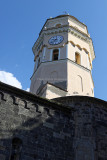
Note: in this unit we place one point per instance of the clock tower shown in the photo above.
(63, 55)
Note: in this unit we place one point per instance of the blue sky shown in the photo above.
(21, 22)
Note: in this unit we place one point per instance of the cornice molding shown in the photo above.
(17, 93)
(54, 30)
(68, 29)
(79, 65)
(66, 59)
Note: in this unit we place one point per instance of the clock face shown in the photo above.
(55, 40)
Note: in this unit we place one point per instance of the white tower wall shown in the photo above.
(63, 59)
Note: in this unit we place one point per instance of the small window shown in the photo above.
(77, 58)
(58, 25)
(55, 54)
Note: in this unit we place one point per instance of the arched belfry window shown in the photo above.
(16, 149)
(77, 58)
(55, 54)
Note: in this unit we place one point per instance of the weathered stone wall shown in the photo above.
(90, 119)
(34, 128)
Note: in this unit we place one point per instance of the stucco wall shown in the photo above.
(54, 92)
(74, 41)
(79, 80)
(45, 71)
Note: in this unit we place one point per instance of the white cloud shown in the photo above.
(9, 78)
(28, 89)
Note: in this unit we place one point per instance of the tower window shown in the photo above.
(55, 54)
(77, 58)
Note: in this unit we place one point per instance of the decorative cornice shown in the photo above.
(61, 16)
(65, 28)
(79, 65)
(58, 62)
(69, 29)
(55, 104)
(18, 94)
(78, 46)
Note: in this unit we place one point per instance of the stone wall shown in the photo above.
(90, 118)
(33, 128)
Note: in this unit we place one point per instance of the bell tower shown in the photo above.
(63, 55)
